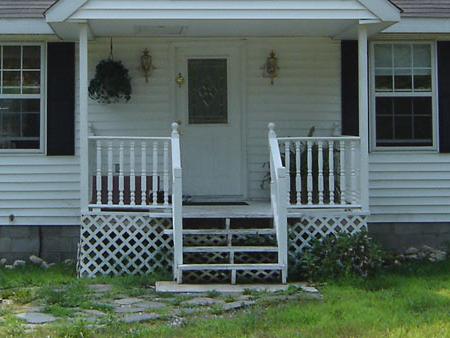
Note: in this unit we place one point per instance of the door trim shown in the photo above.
(239, 52)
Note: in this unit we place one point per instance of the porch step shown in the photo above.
(224, 232)
(226, 249)
(235, 267)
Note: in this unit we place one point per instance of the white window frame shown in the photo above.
(41, 97)
(434, 98)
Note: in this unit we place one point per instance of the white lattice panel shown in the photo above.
(115, 244)
(303, 230)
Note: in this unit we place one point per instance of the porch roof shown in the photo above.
(332, 18)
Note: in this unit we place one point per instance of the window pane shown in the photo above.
(422, 106)
(383, 80)
(383, 56)
(423, 130)
(384, 129)
(30, 125)
(422, 56)
(19, 123)
(422, 79)
(403, 106)
(11, 57)
(402, 56)
(403, 79)
(384, 106)
(207, 91)
(403, 127)
(31, 57)
(10, 125)
(31, 79)
(11, 79)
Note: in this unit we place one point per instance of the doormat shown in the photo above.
(190, 203)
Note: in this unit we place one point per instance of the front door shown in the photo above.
(208, 109)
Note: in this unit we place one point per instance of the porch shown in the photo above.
(138, 212)
(201, 198)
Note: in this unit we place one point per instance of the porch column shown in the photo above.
(83, 97)
(363, 115)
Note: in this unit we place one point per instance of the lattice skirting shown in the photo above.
(303, 230)
(116, 244)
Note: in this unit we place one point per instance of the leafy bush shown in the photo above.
(343, 255)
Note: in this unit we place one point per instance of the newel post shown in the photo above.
(177, 203)
(282, 220)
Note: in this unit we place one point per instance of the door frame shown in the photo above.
(238, 53)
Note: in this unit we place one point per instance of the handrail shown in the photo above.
(320, 138)
(278, 193)
(131, 138)
(177, 203)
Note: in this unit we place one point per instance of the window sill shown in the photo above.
(17, 152)
(403, 150)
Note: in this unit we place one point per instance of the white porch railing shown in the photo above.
(278, 191)
(130, 172)
(139, 173)
(323, 172)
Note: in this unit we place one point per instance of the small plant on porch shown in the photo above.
(304, 171)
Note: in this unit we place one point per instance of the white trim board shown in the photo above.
(25, 26)
(65, 10)
(421, 26)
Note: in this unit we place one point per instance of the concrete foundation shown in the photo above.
(401, 236)
(53, 244)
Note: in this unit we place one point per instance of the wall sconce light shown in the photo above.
(179, 80)
(270, 68)
(147, 64)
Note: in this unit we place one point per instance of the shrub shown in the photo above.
(341, 255)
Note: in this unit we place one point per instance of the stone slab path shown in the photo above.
(149, 305)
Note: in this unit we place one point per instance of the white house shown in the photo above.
(252, 127)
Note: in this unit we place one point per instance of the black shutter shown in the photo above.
(443, 48)
(349, 88)
(60, 99)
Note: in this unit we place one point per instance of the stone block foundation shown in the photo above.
(52, 243)
(401, 236)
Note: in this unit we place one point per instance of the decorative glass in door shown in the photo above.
(208, 91)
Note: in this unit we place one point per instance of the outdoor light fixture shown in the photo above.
(271, 68)
(179, 80)
(147, 64)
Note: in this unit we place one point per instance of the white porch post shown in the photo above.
(84, 132)
(363, 116)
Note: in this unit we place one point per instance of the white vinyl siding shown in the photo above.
(39, 189)
(409, 187)
(306, 94)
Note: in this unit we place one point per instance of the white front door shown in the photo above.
(208, 109)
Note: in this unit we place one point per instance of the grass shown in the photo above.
(413, 301)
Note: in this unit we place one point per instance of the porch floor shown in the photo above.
(251, 210)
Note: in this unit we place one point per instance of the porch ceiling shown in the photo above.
(205, 28)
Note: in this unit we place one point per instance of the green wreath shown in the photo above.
(111, 83)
